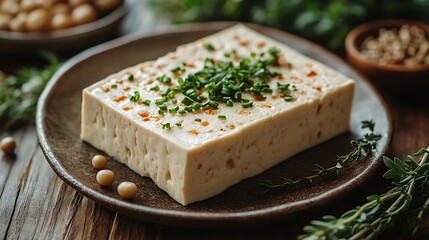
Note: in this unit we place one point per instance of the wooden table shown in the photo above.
(35, 203)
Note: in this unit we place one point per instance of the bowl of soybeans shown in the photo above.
(57, 25)
(393, 54)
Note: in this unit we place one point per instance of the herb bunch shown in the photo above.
(406, 201)
(361, 148)
(326, 22)
(19, 93)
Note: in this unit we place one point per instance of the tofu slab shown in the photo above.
(203, 154)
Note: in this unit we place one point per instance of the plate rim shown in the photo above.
(171, 216)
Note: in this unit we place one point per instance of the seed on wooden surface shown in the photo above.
(8, 145)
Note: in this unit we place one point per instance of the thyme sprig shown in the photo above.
(361, 149)
(407, 200)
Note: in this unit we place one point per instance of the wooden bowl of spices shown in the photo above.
(393, 54)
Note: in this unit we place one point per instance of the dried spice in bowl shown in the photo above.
(408, 46)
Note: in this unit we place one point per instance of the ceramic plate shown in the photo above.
(58, 126)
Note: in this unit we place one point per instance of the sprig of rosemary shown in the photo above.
(361, 149)
(19, 93)
(407, 201)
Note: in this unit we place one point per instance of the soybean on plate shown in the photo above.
(58, 127)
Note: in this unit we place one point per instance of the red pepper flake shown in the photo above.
(244, 112)
(261, 45)
(244, 43)
(257, 98)
(146, 119)
(191, 65)
(266, 105)
(280, 77)
(106, 89)
(127, 108)
(126, 88)
(160, 66)
(150, 81)
(194, 132)
(319, 89)
(231, 126)
(311, 73)
(155, 117)
(144, 114)
(205, 123)
(211, 111)
(120, 81)
(120, 98)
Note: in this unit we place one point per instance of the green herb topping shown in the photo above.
(209, 47)
(130, 77)
(135, 97)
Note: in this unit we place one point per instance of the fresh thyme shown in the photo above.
(19, 93)
(361, 149)
(406, 202)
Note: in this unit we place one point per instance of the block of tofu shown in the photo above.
(194, 150)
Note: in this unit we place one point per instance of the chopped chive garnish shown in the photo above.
(176, 69)
(223, 117)
(253, 54)
(174, 101)
(282, 87)
(197, 119)
(130, 77)
(135, 97)
(160, 112)
(197, 106)
(174, 110)
(156, 88)
(178, 124)
(114, 86)
(187, 101)
(213, 104)
(209, 47)
(288, 98)
(247, 104)
(159, 102)
(182, 111)
(164, 79)
(229, 103)
(166, 125)
(163, 107)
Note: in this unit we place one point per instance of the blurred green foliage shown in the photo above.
(19, 93)
(325, 22)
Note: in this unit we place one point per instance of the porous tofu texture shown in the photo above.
(203, 154)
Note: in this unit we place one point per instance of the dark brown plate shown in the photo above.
(58, 126)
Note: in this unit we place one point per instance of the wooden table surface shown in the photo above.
(35, 203)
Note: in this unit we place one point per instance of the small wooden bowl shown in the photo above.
(64, 41)
(389, 78)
